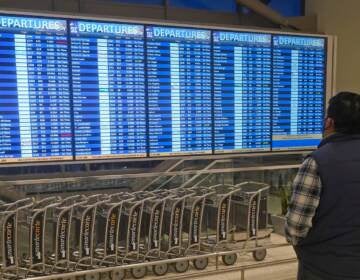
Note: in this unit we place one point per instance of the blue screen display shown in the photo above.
(298, 92)
(35, 111)
(179, 90)
(84, 89)
(108, 89)
(242, 92)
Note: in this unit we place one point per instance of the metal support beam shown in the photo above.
(166, 9)
(263, 10)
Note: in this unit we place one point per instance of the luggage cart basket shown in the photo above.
(152, 228)
(83, 232)
(9, 214)
(33, 227)
(171, 245)
(234, 214)
(130, 232)
(193, 225)
(217, 213)
(217, 221)
(61, 220)
(249, 217)
(106, 236)
(109, 218)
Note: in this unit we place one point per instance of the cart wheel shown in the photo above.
(160, 269)
(201, 263)
(181, 267)
(105, 276)
(229, 259)
(92, 276)
(118, 274)
(70, 278)
(259, 255)
(138, 272)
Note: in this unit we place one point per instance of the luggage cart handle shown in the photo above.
(203, 192)
(97, 198)
(122, 196)
(46, 201)
(262, 186)
(46, 207)
(17, 204)
(229, 189)
(69, 201)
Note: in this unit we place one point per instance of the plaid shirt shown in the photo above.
(304, 202)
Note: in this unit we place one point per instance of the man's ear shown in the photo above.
(329, 125)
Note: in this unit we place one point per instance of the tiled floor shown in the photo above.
(277, 272)
(280, 272)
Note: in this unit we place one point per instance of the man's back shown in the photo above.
(323, 219)
(333, 244)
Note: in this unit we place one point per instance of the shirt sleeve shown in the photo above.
(304, 202)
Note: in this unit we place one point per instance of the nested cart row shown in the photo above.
(83, 233)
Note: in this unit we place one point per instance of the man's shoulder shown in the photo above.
(323, 153)
(309, 164)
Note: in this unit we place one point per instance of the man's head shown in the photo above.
(343, 114)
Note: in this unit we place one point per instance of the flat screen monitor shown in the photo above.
(109, 97)
(179, 90)
(242, 91)
(35, 111)
(95, 89)
(299, 65)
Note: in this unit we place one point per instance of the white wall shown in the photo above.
(341, 18)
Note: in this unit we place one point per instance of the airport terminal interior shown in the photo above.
(159, 139)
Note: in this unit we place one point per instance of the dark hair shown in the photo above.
(344, 109)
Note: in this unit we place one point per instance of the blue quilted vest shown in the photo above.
(332, 247)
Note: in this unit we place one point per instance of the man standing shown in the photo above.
(323, 219)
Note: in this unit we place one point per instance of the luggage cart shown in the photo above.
(192, 225)
(225, 224)
(171, 245)
(96, 237)
(32, 229)
(9, 214)
(59, 239)
(83, 233)
(107, 247)
(250, 206)
(130, 232)
(151, 228)
(217, 215)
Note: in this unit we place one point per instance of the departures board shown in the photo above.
(35, 112)
(108, 78)
(242, 91)
(89, 89)
(298, 92)
(179, 90)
